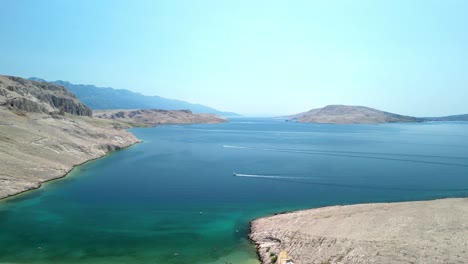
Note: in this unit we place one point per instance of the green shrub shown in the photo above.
(273, 258)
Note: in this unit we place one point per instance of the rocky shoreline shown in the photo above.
(404, 232)
(40, 184)
(36, 148)
(45, 131)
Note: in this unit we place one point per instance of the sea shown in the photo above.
(188, 193)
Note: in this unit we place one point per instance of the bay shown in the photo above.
(187, 193)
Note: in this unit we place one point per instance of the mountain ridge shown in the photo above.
(108, 98)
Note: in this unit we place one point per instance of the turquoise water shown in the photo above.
(174, 199)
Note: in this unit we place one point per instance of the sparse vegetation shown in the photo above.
(273, 258)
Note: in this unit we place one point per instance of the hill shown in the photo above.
(345, 114)
(104, 98)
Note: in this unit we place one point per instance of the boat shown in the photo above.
(234, 174)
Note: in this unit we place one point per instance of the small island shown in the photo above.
(346, 114)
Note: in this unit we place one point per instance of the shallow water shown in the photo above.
(174, 198)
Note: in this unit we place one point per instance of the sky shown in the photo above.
(251, 57)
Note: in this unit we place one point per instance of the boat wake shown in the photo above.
(272, 176)
(324, 182)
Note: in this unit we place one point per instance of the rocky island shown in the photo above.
(406, 232)
(45, 131)
(346, 114)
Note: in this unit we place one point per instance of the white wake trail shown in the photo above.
(272, 177)
(237, 147)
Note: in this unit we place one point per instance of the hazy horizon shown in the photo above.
(258, 58)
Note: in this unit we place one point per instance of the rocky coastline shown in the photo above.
(45, 131)
(65, 174)
(404, 232)
(36, 148)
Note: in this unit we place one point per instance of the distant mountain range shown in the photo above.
(105, 98)
(345, 114)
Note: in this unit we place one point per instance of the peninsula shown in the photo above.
(151, 117)
(45, 131)
(406, 232)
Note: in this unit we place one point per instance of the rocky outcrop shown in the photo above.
(151, 117)
(409, 232)
(40, 97)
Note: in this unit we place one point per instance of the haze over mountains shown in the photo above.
(105, 98)
(345, 114)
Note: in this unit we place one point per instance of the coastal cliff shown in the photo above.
(19, 94)
(45, 131)
(407, 232)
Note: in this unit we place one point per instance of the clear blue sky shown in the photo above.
(251, 57)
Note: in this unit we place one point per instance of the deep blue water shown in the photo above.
(174, 199)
